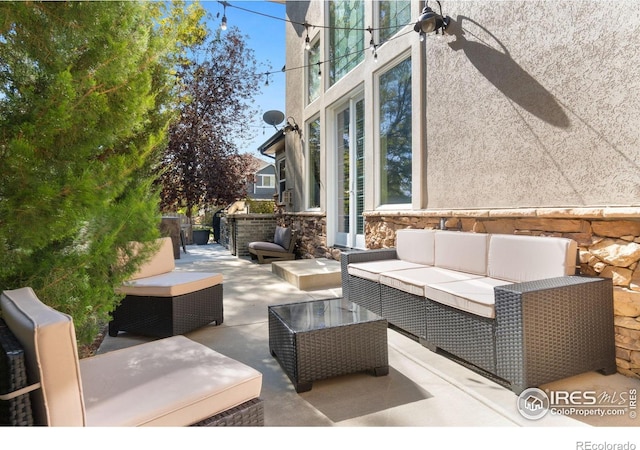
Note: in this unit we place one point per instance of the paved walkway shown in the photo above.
(423, 389)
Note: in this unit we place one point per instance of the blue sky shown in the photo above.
(266, 36)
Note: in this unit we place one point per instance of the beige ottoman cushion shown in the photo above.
(168, 382)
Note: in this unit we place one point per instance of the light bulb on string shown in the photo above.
(307, 41)
(223, 25)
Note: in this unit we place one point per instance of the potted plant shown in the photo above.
(201, 235)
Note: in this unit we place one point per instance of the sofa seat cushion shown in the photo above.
(414, 281)
(170, 284)
(371, 270)
(475, 296)
(144, 385)
(267, 246)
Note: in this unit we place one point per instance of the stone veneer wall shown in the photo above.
(311, 231)
(608, 241)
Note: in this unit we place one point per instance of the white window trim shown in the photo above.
(376, 144)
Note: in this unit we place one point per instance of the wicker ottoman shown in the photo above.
(323, 338)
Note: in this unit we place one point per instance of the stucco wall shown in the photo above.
(534, 103)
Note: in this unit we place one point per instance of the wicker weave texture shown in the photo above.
(13, 376)
(365, 293)
(168, 316)
(308, 356)
(552, 329)
(347, 258)
(404, 310)
(465, 335)
(248, 414)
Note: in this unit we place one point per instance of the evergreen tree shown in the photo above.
(86, 93)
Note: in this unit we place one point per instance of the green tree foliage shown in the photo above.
(86, 94)
(201, 165)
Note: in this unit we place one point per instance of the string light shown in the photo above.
(223, 25)
(373, 47)
(307, 41)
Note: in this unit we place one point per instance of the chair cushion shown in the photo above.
(162, 262)
(144, 385)
(170, 284)
(371, 270)
(266, 246)
(282, 237)
(462, 251)
(529, 258)
(416, 245)
(49, 341)
(414, 281)
(475, 296)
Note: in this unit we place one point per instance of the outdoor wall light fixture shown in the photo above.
(429, 22)
(291, 126)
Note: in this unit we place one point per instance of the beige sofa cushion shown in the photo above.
(414, 281)
(145, 385)
(529, 258)
(415, 245)
(170, 284)
(371, 270)
(475, 296)
(463, 251)
(162, 262)
(49, 342)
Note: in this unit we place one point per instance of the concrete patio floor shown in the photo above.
(423, 389)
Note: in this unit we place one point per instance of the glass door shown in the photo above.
(349, 172)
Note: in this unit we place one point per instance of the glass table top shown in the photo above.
(316, 314)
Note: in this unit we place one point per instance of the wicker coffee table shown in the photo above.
(319, 339)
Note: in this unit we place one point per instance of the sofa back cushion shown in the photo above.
(416, 246)
(51, 355)
(462, 251)
(282, 237)
(161, 262)
(528, 258)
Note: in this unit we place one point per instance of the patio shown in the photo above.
(423, 389)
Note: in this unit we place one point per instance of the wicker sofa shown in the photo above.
(509, 306)
(166, 382)
(161, 302)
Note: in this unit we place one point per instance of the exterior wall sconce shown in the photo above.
(291, 126)
(429, 22)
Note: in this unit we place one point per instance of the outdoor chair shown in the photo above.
(167, 382)
(160, 301)
(281, 249)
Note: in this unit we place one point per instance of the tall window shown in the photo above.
(282, 179)
(395, 134)
(313, 80)
(392, 16)
(346, 46)
(313, 164)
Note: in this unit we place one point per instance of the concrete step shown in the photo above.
(309, 274)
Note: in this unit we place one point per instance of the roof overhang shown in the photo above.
(273, 145)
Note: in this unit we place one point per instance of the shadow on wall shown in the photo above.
(506, 75)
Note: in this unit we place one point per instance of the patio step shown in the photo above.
(309, 274)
